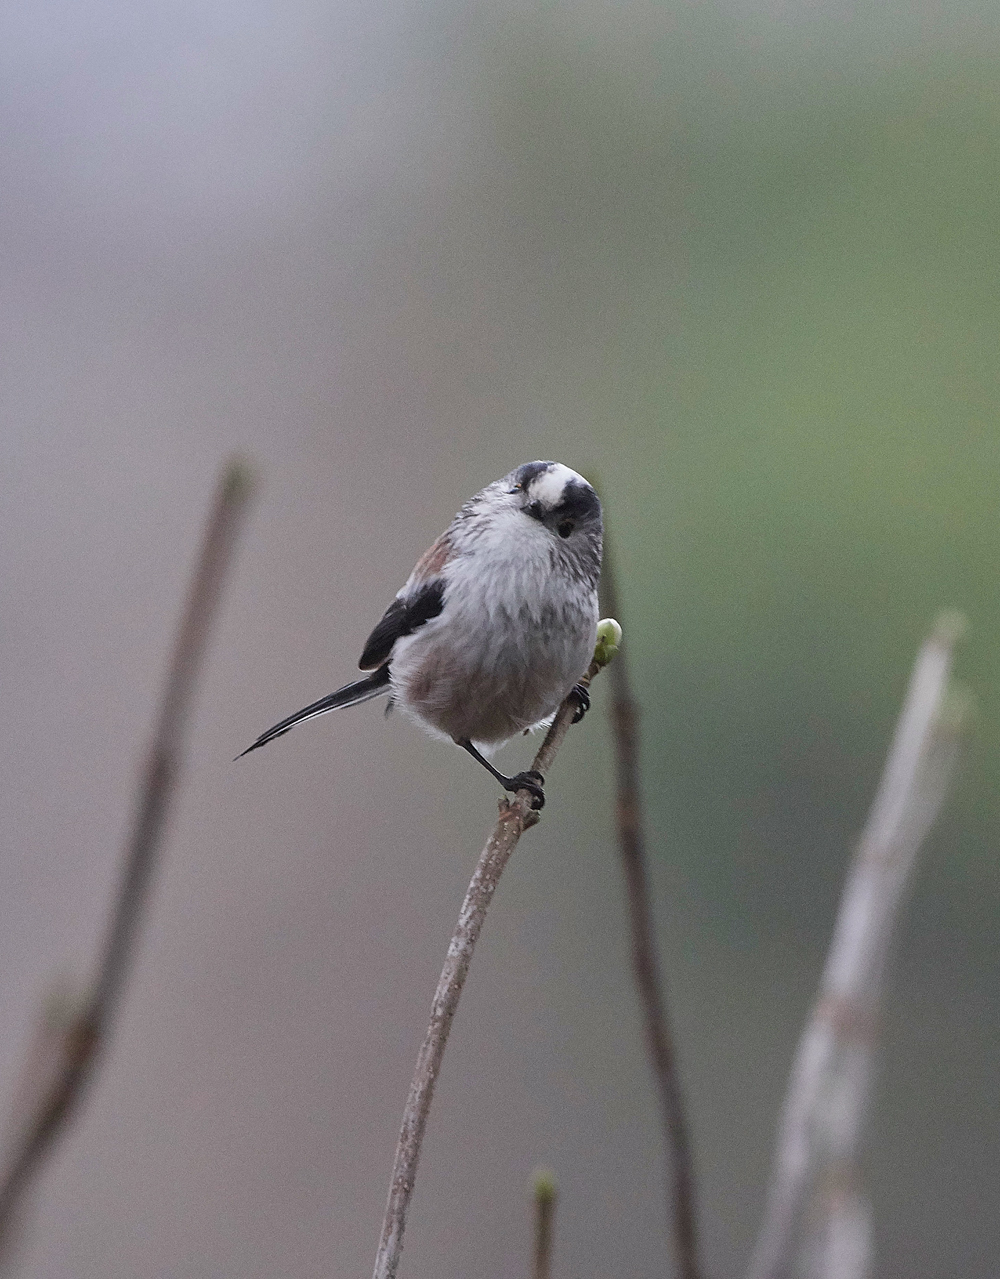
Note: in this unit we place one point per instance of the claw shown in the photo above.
(582, 699)
(532, 781)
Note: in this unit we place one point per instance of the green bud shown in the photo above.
(609, 636)
(950, 626)
(543, 1185)
(240, 479)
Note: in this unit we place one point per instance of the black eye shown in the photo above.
(564, 528)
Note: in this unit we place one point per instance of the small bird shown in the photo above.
(495, 625)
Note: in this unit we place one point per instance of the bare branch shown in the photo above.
(814, 1209)
(77, 1043)
(515, 817)
(544, 1193)
(680, 1188)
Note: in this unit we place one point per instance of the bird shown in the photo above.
(496, 624)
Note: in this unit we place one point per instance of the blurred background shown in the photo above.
(738, 261)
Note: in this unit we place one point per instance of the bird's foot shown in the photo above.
(582, 698)
(531, 781)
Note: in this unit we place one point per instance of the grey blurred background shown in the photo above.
(738, 261)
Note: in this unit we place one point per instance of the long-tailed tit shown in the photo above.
(495, 625)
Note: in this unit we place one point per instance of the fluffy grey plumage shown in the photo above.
(496, 623)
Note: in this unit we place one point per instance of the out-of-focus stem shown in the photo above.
(681, 1215)
(78, 1043)
(816, 1219)
(544, 1194)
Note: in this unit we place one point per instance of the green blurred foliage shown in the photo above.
(781, 246)
(768, 249)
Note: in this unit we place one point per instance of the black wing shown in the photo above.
(402, 617)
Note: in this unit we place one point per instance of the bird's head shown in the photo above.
(555, 497)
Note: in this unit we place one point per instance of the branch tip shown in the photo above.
(544, 1187)
(950, 626)
(239, 480)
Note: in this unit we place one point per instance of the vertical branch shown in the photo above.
(79, 1042)
(515, 818)
(544, 1194)
(645, 965)
(814, 1206)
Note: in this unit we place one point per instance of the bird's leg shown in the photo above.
(582, 698)
(530, 781)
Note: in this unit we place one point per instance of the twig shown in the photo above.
(814, 1207)
(680, 1187)
(544, 1194)
(82, 1036)
(515, 817)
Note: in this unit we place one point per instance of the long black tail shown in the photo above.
(360, 691)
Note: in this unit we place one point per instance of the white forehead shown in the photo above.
(549, 487)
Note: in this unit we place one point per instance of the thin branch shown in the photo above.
(814, 1209)
(77, 1045)
(680, 1188)
(515, 817)
(544, 1194)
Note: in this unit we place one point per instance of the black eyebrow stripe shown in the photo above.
(526, 473)
(579, 501)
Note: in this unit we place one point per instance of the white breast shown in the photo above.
(514, 636)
